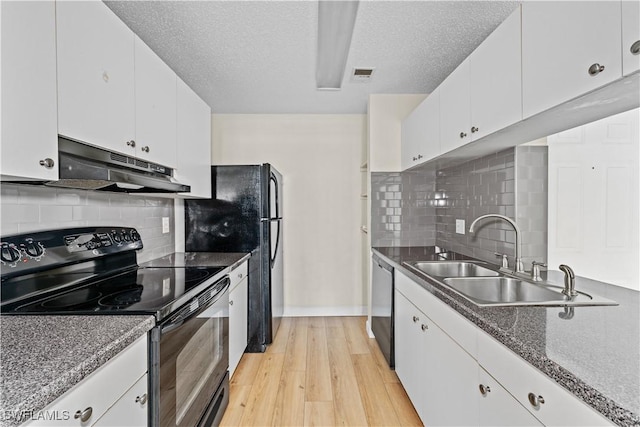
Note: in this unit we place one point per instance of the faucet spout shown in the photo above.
(519, 267)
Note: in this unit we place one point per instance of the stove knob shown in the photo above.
(116, 237)
(126, 236)
(135, 236)
(34, 249)
(9, 253)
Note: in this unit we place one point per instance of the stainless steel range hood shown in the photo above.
(91, 168)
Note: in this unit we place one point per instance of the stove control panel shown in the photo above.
(24, 252)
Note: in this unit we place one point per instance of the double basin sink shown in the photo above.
(484, 286)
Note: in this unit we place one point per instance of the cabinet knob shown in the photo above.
(635, 48)
(84, 415)
(145, 148)
(105, 77)
(596, 69)
(231, 302)
(415, 319)
(239, 275)
(419, 156)
(424, 327)
(484, 389)
(131, 143)
(535, 401)
(415, 158)
(463, 135)
(141, 399)
(47, 163)
(474, 129)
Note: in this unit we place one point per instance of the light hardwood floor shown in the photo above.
(319, 371)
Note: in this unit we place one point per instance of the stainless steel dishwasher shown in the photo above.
(382, 307)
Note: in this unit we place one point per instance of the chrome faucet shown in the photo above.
(569, 281)
(519, 267)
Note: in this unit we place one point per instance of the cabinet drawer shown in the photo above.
(520, 378)
(130, 410)
(455, 325)
(237, 274)
(101, 389)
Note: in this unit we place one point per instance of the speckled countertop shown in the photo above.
(199, 259)
(41, 357)
(595, 355)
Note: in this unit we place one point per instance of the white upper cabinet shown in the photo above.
(95, 76)
(455, 109)
(29, 120)
(568, 49)
(193, 142)
(421, 132)
(155, 86)
(496, 82)
(630, 36)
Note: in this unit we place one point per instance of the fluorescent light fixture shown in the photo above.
(336, 20)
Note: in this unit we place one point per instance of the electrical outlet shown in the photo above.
(460, 226)
(165, 225)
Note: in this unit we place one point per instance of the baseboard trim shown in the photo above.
(325, 311)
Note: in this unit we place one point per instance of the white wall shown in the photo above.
(386, 113)
(319, 157)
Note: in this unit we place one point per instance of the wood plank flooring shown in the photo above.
(319, 371)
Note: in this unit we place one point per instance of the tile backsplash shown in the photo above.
(31, 208)
(420, 208)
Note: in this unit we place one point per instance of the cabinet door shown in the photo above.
(29, 113)
(410, 139)
(193, 142)
(630, 36)
(497, 407)
(130, 410)
(155, 99)
(455, 109)
(410, 349)
(95, 75)
(451, 391)
(496, 79)
(238, 312)
(560, 42)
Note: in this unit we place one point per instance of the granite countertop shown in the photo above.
(595, 354)
(42, 357)
(199, 259)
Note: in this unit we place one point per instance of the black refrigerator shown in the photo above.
(245, 215)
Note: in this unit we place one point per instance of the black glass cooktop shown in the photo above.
(138, 290)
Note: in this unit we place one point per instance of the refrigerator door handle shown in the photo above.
(275, 251)
(271, 219)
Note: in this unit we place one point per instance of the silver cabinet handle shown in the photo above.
(415, 319)
(145, 148)
(635, 48)
(463, 135)
(131, 143)
(47, 163)
(231, 302)
(84, 415)
(141, 399)
(484, 389)
(239, 275)
(419, 156)
(596, 69)
(415, 158)
(474, 129)
(535, 401)
(424, 327)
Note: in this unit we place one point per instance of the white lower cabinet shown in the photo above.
(456, 374)
(131, 409)
(91, 401)
(238, 315)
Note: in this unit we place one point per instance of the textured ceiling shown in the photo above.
(259, 57)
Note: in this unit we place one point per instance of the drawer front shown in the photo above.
(237, 274)
(130, 410)
(521, 379)
(455, 325)
(100, 390)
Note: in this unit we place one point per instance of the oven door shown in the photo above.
(192, 359)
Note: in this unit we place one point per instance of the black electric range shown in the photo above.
(92, 271)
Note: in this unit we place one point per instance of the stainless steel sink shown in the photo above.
(453, 269)
(506, 291)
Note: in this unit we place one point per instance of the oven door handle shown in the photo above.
(185, 314)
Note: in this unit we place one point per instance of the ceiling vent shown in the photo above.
(362, 75)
